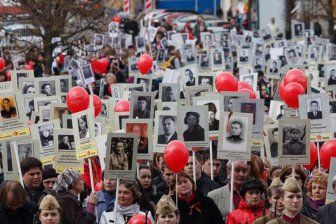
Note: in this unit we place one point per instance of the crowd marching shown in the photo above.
(209, 188)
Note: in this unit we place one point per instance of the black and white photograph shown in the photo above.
(88, 75)
(17, 75)
(99, 126)
(258, 64)
(230, 97)
(43, 101)
(160, 55)
(169, 92)
(46, 135)
(249, 108)
(251, 79)
(147, 81)
(28, 87)
(274, 68)
(292, 57)
(140, 44)
(331, 52)
(29, 106)
(314, 53)
(265, 33)
(332, 106)
(98, 41)
(135, 87)
(297, 30)
(25, 151)
(294, 141)
(64, 85)
(276, 110)
(44, 113)
(271, 139)
(188, 76)
(190, 56)
(193, 125)
(165, 129)
(142, 105)
(195, 91)
(164, 43)
(228, 64)
(104, 111)
(48, 88)
(234, 140)
(330, 76)
(243, 56)
(83, 127)
(205, 79)
(315, 107)
(66, 142)
(113, 29)
(204, 61)
(133, 64)
(121, 155)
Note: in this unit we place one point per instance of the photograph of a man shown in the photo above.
(294, 145)
(235, 131)
(142, 106)
(314, 112)
(169, 129)
(274, 67)
(190, 55)
(168, 94)
(119, 160)
(243, 56)
(332, 77)
(189, 75)
(217, 58)
(274, 144)
(213, 121)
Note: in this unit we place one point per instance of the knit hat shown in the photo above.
(49, 173)
(165, 206)
(66, 179)
(251, 184)
(291, 185)
(276, 182)
(49, 202)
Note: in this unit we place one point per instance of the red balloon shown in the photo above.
(116, 19)
(250, 92)
(313, 156)
(225, 81)
(291, 94)
(244, 85)
(176, 155)
(122, 106)
(94, 64)
(139, 219)
(281, 89)
(145, 63)
(104, 62)
(98, 186)
(296, 75)
(2, 63)
(28, 67)
(327, 151)
(77, 99)
(97, 103)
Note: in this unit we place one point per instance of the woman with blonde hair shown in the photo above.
(166, 211)
(49, 211)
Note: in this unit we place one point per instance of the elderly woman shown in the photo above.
(69, 185)
(49, 211)
(14, 205)
(166, 211)
(194, 132)
(251, 206)
(194, 207)
(127, 206)
(317, 192)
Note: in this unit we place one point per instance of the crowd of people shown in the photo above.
(262, 193)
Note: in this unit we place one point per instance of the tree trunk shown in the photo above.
(48, 50)
(249, 15)
(330, 14)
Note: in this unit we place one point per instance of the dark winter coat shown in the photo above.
(23, 215)
(327, 214)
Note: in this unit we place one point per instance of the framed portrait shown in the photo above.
(57, 111)
(28, 86)
(142, 105)
(47, 87)
(66, 151)
(169, 92)
(190, 56)
(44, 113)
(98, 41)
(214, 104)
(26, 149)
(258, 49)
(44, 133)
(165, 129)
(229, 63)
(160, 56)
(258, 63)
(332, 106)
(195, 91)
(121, 155)
(113, 29)
(298, 31)
(45, 101)
(135, 87)
(292, 56)
(204, 61)
(104, 112)
(6, 87)
(16, 75)
(274, 68)
(119, 118)
(244, 56)
(143, 129)
(100, 126)
(271, 139)
(294, 141)
(205, 79)
(251, 79)
(315, 107)
(167, 106)
(133, 65)
(217, 58)
(207, 39)
(276, 110)
(146, 80)
(266, 34)
(314, 53)
(229, 99)
(67, 121)
(65, 84)
(140, 44)
(331, 52)
(254, 107)
(9, 168)
(9, 108)
(193, 125)
(330, 76)
(234, 140)
(87, 73)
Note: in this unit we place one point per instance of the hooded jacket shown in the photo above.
(246, 214)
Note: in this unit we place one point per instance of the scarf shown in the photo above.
(109, 197)
(315, 204)
(126, 211)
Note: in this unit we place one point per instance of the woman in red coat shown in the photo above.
(251, 206)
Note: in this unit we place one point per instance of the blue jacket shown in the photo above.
(102, 206)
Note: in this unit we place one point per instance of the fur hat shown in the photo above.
(276, 182)
(251, 184)
(49, 202)
(291, 185)
(165, 206)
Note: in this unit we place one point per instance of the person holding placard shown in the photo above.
(292, 199)
(251, 206)
(327, 213)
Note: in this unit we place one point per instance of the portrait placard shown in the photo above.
(44, 113)
(193, 125)
(206, 79)
(44, 133)
(169, 92)
(244, 57)
(251, 79)
(143, 129)
(214, 103)
(256, 108)
(83, 126)
(28, 86)
(332, 174)
(142, 105)
(217, 58)
(66, 151)
(45, 101)
(315, 107)
(57, 111)
(165, 129)
(99, 126)
(119, 118)
(48, 86)
(294, 140)
(277, 110)
(146, 80)
(135, 87)
(192, 92)
(17, 74)
(274, 69)
(234, 137)
(297, 30)
(330, 76)
(121, 156)
(65, 83)
(13, 119)
(67, 121)
(271, 134)
(229, 99)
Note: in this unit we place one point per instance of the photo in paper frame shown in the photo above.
(48, 86)
(193, 125)
(119, 118)
(165, 129)
(271, 134)
(229, 97)
(294, 141)
(121, 156)
(17, 74)
(45, 101)
(206, 79)
(169, 92)
(277, 110)
(315, 107)
(28, 86)
(146, 80)
(167, 106)
(143, 129)
(142, 105)
(57, 111)
(195, 91)
(100, 128)
(234, 136)
(330, 76)
(251, 79)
